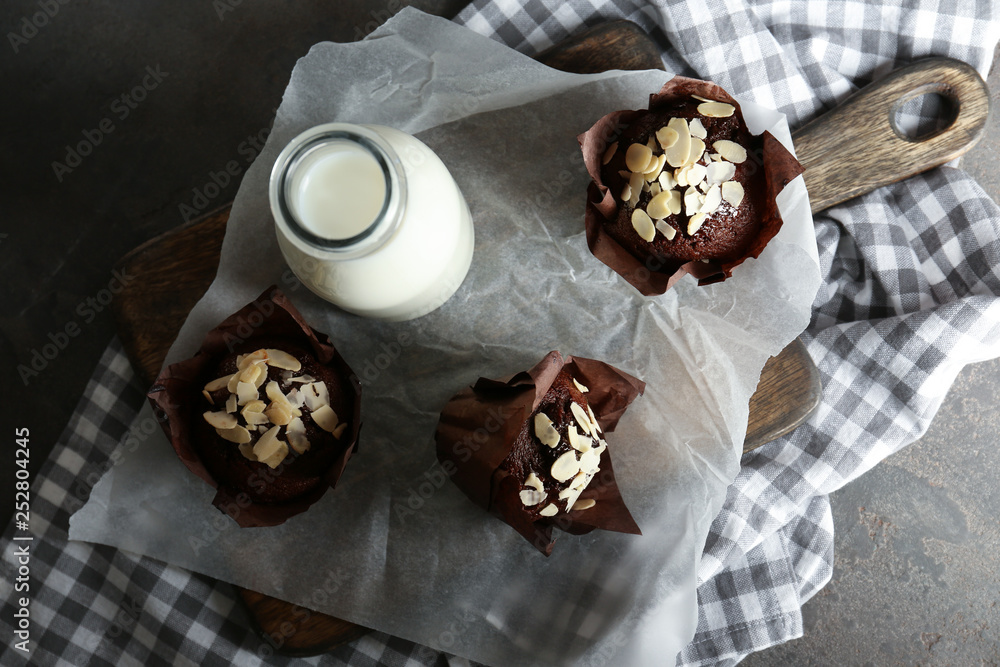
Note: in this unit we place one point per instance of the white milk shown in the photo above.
(338, 190)
(370, 219)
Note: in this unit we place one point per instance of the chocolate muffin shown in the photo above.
(271, 421)
(530, 448)
(267, 412)
(557, 453)
(682, 187)
(687, 188)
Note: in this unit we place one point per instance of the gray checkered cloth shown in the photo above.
(909, 298)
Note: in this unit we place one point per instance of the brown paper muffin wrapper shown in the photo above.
(175, 399)
(479, 425)
(655, 277)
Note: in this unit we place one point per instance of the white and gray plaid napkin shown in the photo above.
(912, 280)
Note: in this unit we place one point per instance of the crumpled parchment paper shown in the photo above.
(396, 546)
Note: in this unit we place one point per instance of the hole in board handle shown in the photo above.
(924, 112)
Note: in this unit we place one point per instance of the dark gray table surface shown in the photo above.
(163, 95)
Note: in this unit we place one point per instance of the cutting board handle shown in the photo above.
(856, 147)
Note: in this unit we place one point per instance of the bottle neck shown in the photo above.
(338, 189)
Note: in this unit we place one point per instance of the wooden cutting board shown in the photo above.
(847, 152)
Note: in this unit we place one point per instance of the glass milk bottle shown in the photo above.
(370, 219)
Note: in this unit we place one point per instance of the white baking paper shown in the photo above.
(396, 546)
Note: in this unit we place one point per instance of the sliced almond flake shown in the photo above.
(675, 202)
(681, 177)
(730, 150)
(583, 389)
(720, 172)
(565, 467)
(732, 192)
(231, 403)
(567, 492)
(316, 395)
(665, 229)
(218, 383)
(296, 398)
(325, 418)
(581, 417)
(666, 137)
(545, 430)
(651, 144)
(716, 109)
(268, 445)
(666, 180)
(274, 392)
(593, 421)
(339, 431)
(643, 225)
(601, 447)
(653, 172)
(208, 396)
(530, 497)
(655, 189)
(254, 406)
(571, 497)
(245, 392)
(282, 359)
(580, 482)
(678, 153)
(278, 414)
(234, 380)
(610, 153)
(549, 510)
(636, 181)
(222, 420)
(275, 459)
(659, 206)
(626, 192)
(694, 224)
(702, 99)
(637, 157)
(590, 462)
(704, 186)
(246, 449)
(714, 157)
(534, 482)
(697, 129)
(296, 434)
(256, 418)
(645, 188)
(696, 174)
(697, 150)
(580, 443)
(252, 358)
(305, 379)
(251, 373)
(692, 201)
(237, 434)
(261, 378)
(239, 359)
(712, 200)
(584, 504)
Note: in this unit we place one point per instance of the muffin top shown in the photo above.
(272, 420)
(687, 183)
